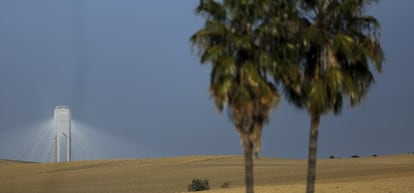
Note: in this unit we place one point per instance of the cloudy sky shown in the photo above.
(136, 88)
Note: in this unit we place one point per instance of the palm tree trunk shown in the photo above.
(248, 156)
(313, 142)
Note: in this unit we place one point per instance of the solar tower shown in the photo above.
(61, 122)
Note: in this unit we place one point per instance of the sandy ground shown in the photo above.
(391, 185)
(383, 174)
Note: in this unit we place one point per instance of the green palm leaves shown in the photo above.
(230, 41)
(319, 53)
(339, 43)
(233, 40)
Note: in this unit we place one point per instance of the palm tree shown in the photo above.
(235, 40)
(339, 43)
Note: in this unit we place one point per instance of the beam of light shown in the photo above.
(35, 143)
(91, 143)
(29, 143)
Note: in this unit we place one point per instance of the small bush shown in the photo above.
(226, 184)
(355, 156)
(198, 185)
(375, 155)
(331, 157)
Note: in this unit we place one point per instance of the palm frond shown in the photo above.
(212, 9)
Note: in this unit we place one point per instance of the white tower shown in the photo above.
(62, 126)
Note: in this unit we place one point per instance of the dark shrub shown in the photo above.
(198, 185)
(226, 184)
(331, 157)
(355, 156)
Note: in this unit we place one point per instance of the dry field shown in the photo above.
(382, 174)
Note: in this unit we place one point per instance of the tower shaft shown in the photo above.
(62, 126)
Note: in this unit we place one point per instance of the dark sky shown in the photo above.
(136, 88)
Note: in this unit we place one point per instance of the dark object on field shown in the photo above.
(198, 185)
(226, 184)
(355, 156)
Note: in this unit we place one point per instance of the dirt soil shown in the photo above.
(382, 174)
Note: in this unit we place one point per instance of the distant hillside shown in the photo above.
(7, 162)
